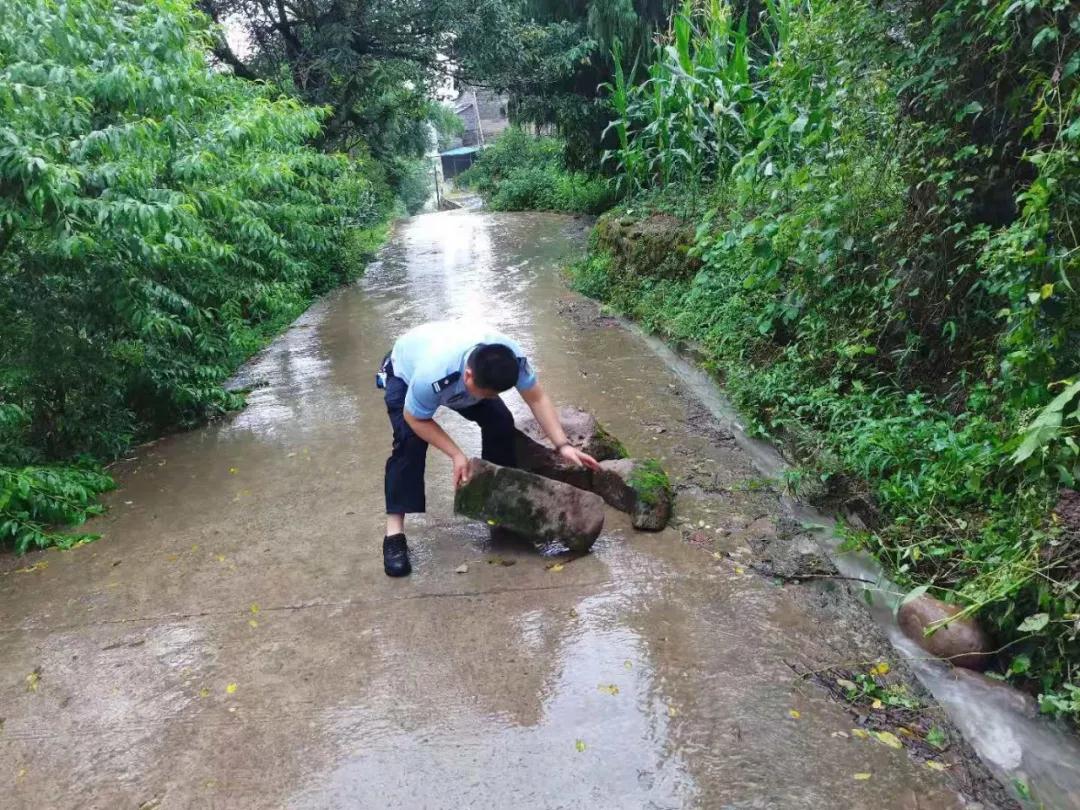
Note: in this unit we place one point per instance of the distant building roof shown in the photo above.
(461, 150)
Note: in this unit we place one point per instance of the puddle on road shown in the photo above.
(445, 690)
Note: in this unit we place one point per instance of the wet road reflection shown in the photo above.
(232, 640)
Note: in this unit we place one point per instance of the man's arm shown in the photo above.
(430, 431)
(544, 411)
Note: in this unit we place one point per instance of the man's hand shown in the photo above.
(461, 469)
(577, 458)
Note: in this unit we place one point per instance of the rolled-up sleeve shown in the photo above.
(421, 400)
(526, 376)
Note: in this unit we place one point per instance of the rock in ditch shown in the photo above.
(531, 505)
(637, 487)
(962, 642)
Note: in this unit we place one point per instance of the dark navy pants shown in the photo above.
(405, 468)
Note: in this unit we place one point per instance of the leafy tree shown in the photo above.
(158, 219)
(377, 64)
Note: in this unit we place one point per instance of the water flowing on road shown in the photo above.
(231, 640)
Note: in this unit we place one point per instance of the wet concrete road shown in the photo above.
(232, 642)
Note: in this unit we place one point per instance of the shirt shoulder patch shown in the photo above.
(441, 385)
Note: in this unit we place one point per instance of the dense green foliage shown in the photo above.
(519, 172)
(374, 63)
(556, 55)
(886, 273)
(158, 220)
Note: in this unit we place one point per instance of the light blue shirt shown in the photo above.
(428, 356)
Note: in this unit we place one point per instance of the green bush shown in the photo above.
(521, 173)
(158, 221)
(886, 275)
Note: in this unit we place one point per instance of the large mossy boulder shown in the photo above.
(638, 487)
(531, 505)
(536, 454)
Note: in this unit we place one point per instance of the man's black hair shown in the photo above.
(494, 366)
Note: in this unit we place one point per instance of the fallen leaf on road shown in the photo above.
(230, 689)
(794, 714)
(253, 623)
(462, 569)
(610, 688)
(204, 692)
(254, 609)
(38, 566)
(880, 669)
(232, 470)
(888, 738)
(934, 765)
(556, 567)
(862, 777)
(21, 773)
(672, 711)
(221, 558)
(858, 732)
(33, 680)
(627, 664)
(739, 569)
(580, 745)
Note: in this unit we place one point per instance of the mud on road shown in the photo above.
(231, 640)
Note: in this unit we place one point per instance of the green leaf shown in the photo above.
(1034, 623)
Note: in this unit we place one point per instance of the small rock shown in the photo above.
(532, 505)
(962, 642)
(640, 488)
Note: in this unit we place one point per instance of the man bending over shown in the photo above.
(464, 367)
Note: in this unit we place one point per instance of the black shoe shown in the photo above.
(395, 556)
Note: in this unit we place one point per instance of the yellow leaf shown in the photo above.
(862, 777)
(934, 765)
(21, 773)
(794, 713)
(491, 523)
(739, 569)
(580, 745)
(232, 470)
(880, 669)
(1046, 291)
(254, 609)
(221, 558)
(876, 704)
(889, 739)
(204, 692)
(610, 688)
(230, 688)
(253, 623)
(858, 732)
(627, 664)
(672, 711)
(557, 567)
(32, 681)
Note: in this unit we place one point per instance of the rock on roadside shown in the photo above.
(530, 504)
(962, 642)
(582, 431)
(640, 488)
